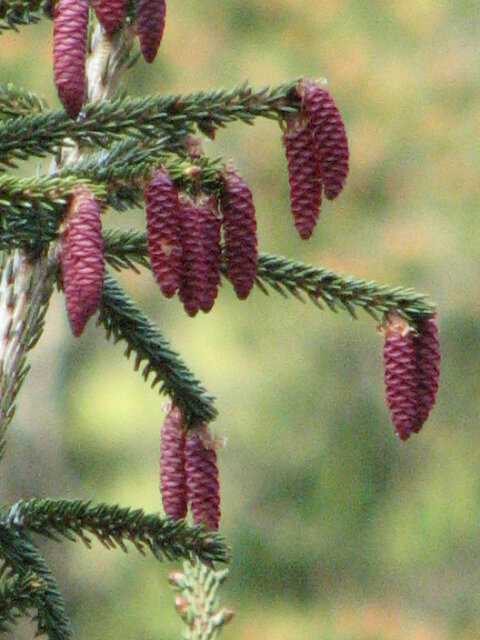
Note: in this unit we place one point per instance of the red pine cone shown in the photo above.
(163, 230)
(211, 225)
(201, 254)
(329, 135)
(303, 176)
(173, 485)
(401, 377)
(110, 14)
(69, 50)
(427, 351)
(240, 231)
(203, 489)
(150, 26)
(81, 258)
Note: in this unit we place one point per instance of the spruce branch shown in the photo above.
(173, 117)
(114, 526)
(15, 13)
(123, 320)
(289, 277)
(197, 600)
(23, 557)
(17, 102)
(31, 209)
(19, 594)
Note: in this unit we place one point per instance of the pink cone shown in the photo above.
(163, 230)
(240, 231)
(303, 176)
(81, 258)
(150, 26)
(110, 14)
(203, 489)
(427, 352)
(172, 465)
(329, 135)
(401, 378)
(69, 51)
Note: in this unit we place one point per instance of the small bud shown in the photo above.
(163, 230)
(240, 231)
(69, 50)
(172, 465)
(303, 175)
(81, 258)
(401, 376)
(150, 26)
(427, 355)
(110, 14)
(203, 490)
(329, 135)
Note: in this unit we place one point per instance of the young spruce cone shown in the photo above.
(399, 360)
(240, 231)
(69, 50)
(163, 230)
(200, 254)
(329, 136)
(427, 353)
(172, 465)
(150, 26)
(303, 175)
(110, 14)
(203, 490)
(81, 258)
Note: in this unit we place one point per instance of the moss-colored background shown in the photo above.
(339, 531)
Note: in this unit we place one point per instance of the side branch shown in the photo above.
(19, 595)
(173, 117)
(23, 557)
(123, 320)
(288, 277)
(114, 526)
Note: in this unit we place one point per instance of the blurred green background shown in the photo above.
(339, 531)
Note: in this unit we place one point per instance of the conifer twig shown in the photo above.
(19, 594)
(173, 117)
(16, 102)
(289, 277)
(15, 13)
(197, 600)
(22, 557)
(123, 320)
(115, 526)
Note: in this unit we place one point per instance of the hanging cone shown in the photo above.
(427, 356)
(329, 134)
(194, 263)
(163, 230)
(401, 376)
(203, 489)
(210, 223)
(172, 465)
(69, 50)
(81, 258)
(303, 175)
(240, 231)
(150, 26)
(110, 14)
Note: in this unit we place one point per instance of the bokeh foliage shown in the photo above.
(339, 531)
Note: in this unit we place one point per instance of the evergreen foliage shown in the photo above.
(111, 149)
